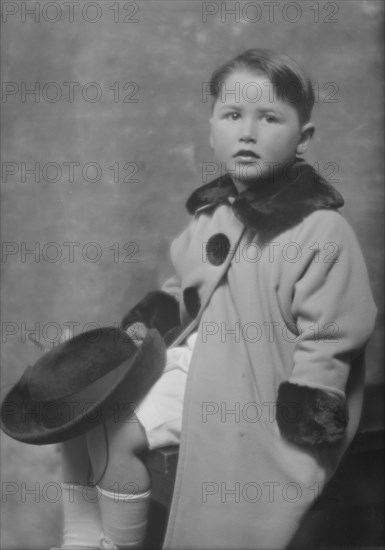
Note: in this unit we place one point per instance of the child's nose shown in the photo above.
(248, 132)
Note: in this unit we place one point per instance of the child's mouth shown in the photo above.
(246, 155)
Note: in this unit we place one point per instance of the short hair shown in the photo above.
(289, 81)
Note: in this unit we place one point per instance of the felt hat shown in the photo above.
(80, 383)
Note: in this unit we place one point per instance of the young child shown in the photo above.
(270, 382)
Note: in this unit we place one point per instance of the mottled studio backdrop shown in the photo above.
(104, 134)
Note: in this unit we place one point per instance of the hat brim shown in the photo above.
(116, 393)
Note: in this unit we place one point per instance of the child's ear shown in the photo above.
(211, 133)
(307, 133)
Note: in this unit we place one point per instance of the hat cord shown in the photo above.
(93, 482)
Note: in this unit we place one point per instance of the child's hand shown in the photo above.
(137, 332)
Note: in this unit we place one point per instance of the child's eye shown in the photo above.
(233, 115)
(271, 119)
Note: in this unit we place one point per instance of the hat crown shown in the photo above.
(75, 364)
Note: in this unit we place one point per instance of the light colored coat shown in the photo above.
(295, 308)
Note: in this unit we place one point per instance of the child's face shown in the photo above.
(252, 131)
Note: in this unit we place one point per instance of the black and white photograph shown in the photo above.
(192, 267)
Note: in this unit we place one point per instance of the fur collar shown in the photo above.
(274, 205)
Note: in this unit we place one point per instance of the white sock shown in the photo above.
(124, 518)
(82, 520)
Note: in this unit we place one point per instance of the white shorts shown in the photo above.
(160, 412)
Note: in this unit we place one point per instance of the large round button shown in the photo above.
(217, 248)
(192, 301)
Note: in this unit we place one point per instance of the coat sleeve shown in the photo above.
(333, 309)
(158, 309)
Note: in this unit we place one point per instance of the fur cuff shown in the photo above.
(310, 416)
(156, 310)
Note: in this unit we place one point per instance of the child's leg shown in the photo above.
(125, 440)
(124, 485)
(82, 522)
(75, 461)
(123, 479)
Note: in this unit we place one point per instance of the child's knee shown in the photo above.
(114, 453)
(122, 438)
